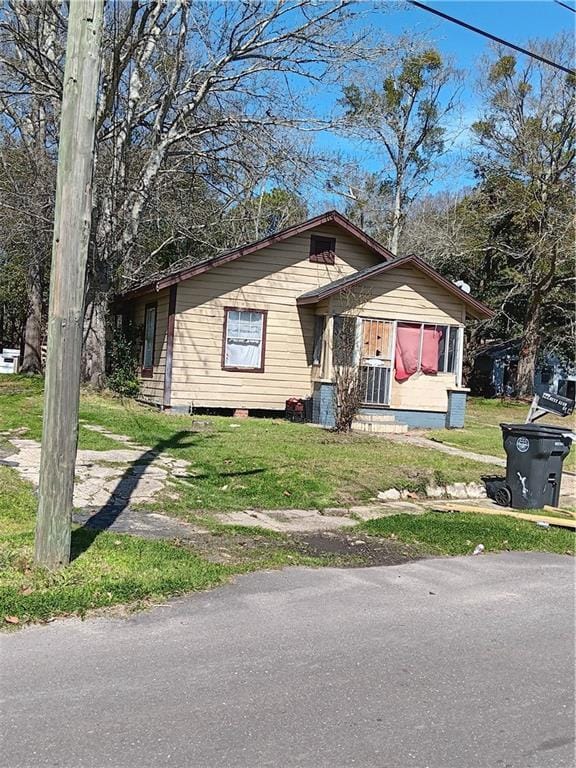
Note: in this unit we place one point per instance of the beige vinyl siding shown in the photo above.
(270, 279)
(152, 389)
(403, 294)
(422, 392)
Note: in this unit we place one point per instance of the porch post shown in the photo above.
(327, 370)
(460, 357)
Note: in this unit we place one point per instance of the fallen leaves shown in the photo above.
(12, 619)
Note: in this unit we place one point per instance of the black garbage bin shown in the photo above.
(535, 455)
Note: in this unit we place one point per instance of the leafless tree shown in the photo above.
(349, 382)
(403, 121)
(183, 83)
(347, 373)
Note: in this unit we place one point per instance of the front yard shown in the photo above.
(251, 463)
(110, 569)
(237, 465)
(482, 433)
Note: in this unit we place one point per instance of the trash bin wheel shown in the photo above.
(503, 497)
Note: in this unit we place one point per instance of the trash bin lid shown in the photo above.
(535, 430)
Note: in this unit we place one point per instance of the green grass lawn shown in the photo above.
(109, 569)
(234, 464)
(457, 533)
(21, 408)
(252, 463)
(113, 569)
(482, 433)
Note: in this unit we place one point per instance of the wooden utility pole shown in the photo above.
(72, 219)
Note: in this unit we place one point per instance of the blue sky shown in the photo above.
(518, 21)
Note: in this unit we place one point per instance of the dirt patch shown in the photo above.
(357, 551)
(334, 549)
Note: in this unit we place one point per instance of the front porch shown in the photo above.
(409, 374)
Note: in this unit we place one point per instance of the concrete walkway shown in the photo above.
(133, 473)
(426, 442)
(109, 482)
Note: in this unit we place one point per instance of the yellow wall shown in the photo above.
(270, 279)
(402, 294)
(422, 392)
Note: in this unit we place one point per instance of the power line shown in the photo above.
(492, 37)
(569, 7)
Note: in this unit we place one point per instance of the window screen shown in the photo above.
(319, 324)
(344, 340)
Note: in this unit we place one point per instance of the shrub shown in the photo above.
(123, 361)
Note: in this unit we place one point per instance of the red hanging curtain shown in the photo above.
(430, 347)
(407, 351)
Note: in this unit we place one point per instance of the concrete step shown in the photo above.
(373, 418)
(379, 427)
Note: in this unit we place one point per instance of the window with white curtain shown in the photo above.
(244, 336)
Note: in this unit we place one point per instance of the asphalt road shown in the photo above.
(450, 663)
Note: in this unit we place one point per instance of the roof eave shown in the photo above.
(475, 307)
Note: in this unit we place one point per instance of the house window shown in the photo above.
(244, 340)
(344, 340)
(319, 324)
(149, 336)
(428, 349)
(322, 249)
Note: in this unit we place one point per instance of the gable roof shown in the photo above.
(477, 308)
(166, 279)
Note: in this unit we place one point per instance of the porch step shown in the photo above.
(379, 427)
(375, 418)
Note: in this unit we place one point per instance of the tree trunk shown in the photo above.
(396, 219)
(32, 358)
(94, 351)
(529, 349)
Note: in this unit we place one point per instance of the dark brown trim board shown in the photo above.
(147, 373)
(260, 369)
(331, 217)
(167, 395)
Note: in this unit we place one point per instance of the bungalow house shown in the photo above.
(257, 325)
